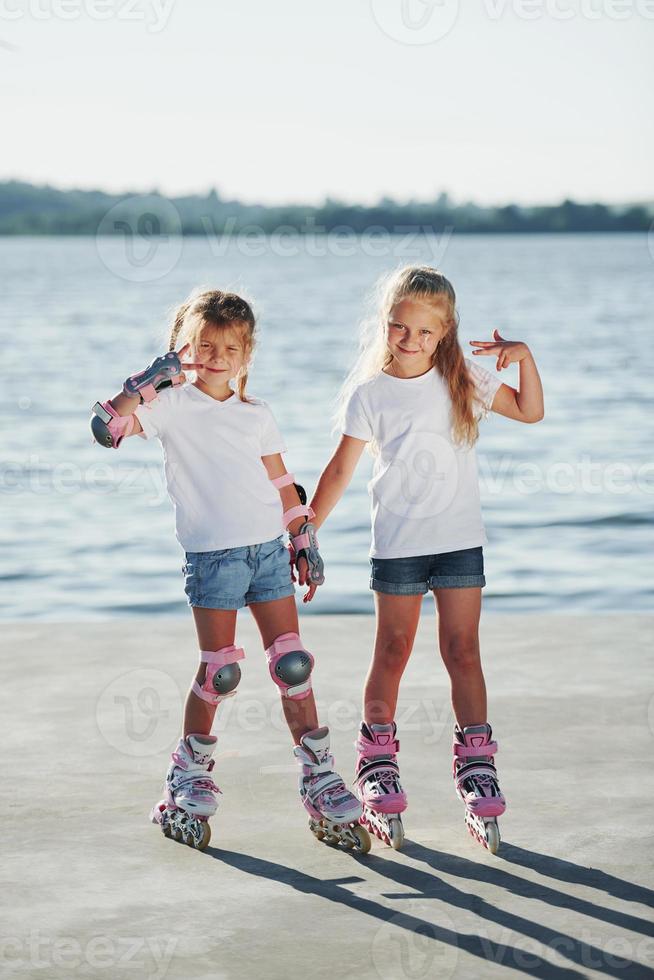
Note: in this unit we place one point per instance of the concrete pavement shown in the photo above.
(92, 889)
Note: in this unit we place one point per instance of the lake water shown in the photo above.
(88, 532)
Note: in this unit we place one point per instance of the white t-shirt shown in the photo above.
(425, 488)
(220, 489)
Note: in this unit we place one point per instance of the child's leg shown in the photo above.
(216, 628)
(273, 619)
(458, 633)
(397, 622)
(322, 790)
(475, 775)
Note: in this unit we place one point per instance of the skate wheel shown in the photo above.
(396, 833)
(318, 830)
(204, 840)
(363, 839)
(493, 837)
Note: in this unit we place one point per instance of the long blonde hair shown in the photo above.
(215, 308)
(426, 285)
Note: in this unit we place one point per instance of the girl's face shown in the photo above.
(413, 332)
(221, 352)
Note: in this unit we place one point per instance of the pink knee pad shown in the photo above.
(223, 674)
(290, 666)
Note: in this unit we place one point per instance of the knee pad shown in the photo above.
(290, 666)
(222, 676)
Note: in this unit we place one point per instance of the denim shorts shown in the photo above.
(416, 576)
(236, 577)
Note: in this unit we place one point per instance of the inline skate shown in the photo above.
(378, 783)
(333, 811)
(475, 780)
(189, 799)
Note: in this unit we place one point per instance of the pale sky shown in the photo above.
(293, 100)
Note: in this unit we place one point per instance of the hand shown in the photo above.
(303, 574)
(506, 351)
(185, 367)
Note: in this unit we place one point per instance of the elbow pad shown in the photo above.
(108, 427)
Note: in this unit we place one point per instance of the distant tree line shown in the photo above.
(26, 209)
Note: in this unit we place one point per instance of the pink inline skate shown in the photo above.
(189, 799)
(378, 783)
(475, 779)
(333, 811)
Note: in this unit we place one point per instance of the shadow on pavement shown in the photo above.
(429, 886)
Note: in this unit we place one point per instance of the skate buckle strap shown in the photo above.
(319, 784)
(311, 768)
(466, 751)
(370, 750)
(476, 769)
(196, 776)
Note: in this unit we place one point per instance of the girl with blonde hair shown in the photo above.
(416, 401)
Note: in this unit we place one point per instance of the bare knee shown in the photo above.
(460, 652)
(392, 653)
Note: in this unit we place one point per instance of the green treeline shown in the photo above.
(26, 209)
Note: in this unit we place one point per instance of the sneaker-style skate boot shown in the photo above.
(189, 790)
(475, 780)
(378, 783)
(333, 811)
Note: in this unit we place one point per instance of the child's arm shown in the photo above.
(336, 476)
(290, 498)
(525, 404)
(114, 420)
